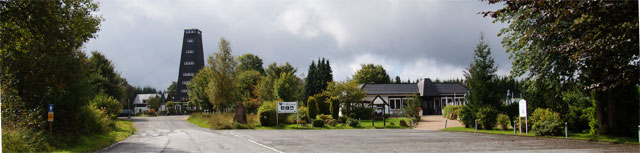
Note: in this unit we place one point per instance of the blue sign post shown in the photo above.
(50, 117)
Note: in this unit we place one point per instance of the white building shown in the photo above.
(140, 103)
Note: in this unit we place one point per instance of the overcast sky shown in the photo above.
(410, 39)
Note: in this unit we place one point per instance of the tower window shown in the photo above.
(189, 51)
(187, 74)
(185, 90)
(190, 40)
(189, 63)
(185, 82)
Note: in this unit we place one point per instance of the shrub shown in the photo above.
(353, 122)
(108, 103)
(267, 114)
(332, 122)
(313, 107)
(24, 140)
(546, 123)
(342, 119)
(487, 117)
(503, 120)
(358, 112)
(318, 123)
(303, 114)
(324, 118)
(404, 123)
(93, 120)
(468, 116)
(451, 111)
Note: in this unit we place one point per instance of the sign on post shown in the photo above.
(288, 107)
(50, 114)
(523, 108)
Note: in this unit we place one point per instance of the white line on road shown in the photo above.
(265, 146)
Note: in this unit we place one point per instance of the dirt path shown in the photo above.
(436, 122)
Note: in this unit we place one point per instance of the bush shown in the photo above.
(23, 140)
(404, 123)
(267, 114)
(487, 117)
(451, 111)
(313, 107)
(303, 114)
(318, 123)
(93, 120)
(342, 119)
(546, 123)
(324, 118)
(468, 116)
(503, 120)
(353, 122)
(360, 113)
(332, 122)
(108, 103)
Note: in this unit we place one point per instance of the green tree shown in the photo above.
(221, 85)
(318, 77)
(250, 62)
(398, 81)
(480, 77)
(104, 76)
(286, 87)
(348, 94)
(370, 73)
(246, 86)
(154, 103)
(411, 108)
(41, 63)
(198, 88)
(171, 91)
(594, 43)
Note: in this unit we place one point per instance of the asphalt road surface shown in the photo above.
(174, 134)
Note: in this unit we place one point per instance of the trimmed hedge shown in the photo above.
(546, 123)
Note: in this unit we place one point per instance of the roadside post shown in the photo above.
(523, 113)
(566, 131)
(514, 127)
(445, 123)
(286, 107)
(50, 118)
(476, 121)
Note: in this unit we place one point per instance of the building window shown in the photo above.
(189, 40)
(187, 74)
(189, 31)
(185, 82)
(189, 63)
(395, 103)
(144, 101)
(189, 51)
(185, 90)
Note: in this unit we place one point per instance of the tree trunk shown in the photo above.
(240, 115)
(599, 97)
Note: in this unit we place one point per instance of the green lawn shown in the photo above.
(210, 121)
(96, 142)
(580, 136)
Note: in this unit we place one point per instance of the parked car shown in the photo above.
(126, 113)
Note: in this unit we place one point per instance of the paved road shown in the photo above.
(173, 134)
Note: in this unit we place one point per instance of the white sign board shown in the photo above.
(287, 107)
(523, 108)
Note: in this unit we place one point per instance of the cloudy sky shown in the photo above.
(410, 39)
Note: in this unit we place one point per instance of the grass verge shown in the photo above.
(578, 136)
(94, 142)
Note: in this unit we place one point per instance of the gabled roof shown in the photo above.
(427, 88)
(450, 88)
(384, 89)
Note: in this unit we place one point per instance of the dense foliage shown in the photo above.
(318, 77)
(369, 73)
(590, 44)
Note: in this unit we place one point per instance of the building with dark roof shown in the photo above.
(191, 61)
(433, 96)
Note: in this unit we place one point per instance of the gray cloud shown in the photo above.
(411, 39)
